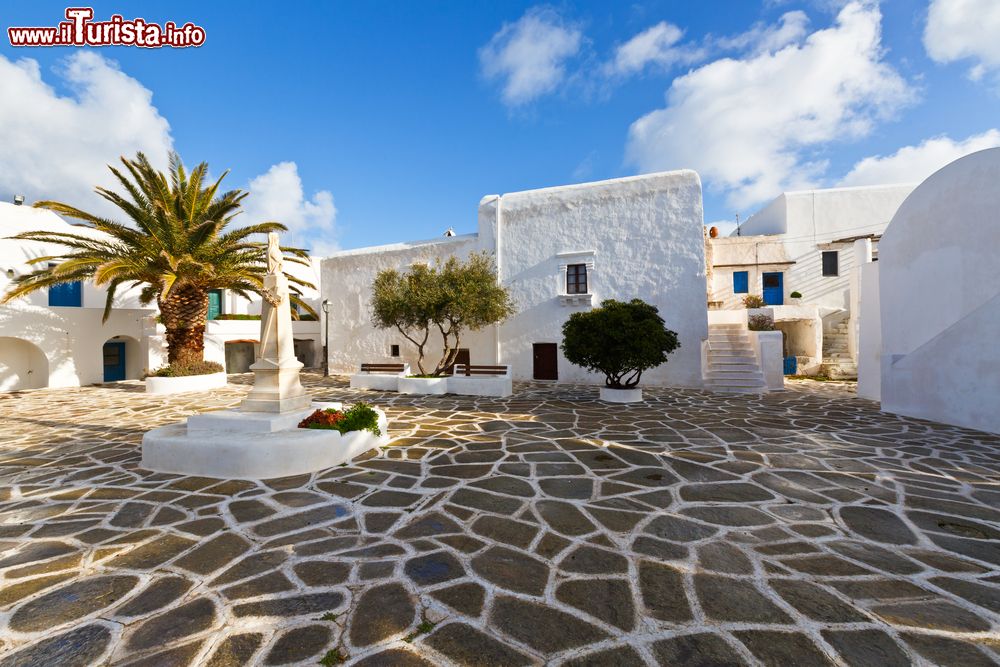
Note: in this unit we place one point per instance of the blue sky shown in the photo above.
(364, 123)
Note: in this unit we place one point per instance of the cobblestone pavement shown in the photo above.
(800, 528)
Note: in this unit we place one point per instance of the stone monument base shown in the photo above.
(235, 444)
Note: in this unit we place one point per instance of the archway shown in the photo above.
(121, 357)
(23, 365)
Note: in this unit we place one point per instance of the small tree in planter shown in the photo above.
(406, 302)
(469, 299)
(620, 340)
(453, 297)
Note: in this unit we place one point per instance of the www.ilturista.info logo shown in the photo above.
(80, 30)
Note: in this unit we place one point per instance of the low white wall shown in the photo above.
(870, 335)
(767, 346)
(940, 298)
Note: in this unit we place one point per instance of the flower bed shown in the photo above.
(359, 417)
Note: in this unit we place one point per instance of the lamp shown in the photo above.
(326, 338)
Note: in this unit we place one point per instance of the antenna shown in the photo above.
(738, 224)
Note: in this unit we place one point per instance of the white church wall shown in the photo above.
(347, 279)
(642, 237)
(940, 299)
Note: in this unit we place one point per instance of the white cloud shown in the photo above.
(912, 164)
(58, 147)
(529, 56)
(657, 45)
(763, 38)
(748, 125)
(959, 29)
(278, 195)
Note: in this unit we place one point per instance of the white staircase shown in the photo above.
(837, 362)
(732, 362)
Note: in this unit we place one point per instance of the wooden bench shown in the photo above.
(382, 368)
(480, 380)
(381, 377)
(467, 370)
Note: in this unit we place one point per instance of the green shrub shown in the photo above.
(796, 295)
(359, 417)
(618, 339)
(186, 368)
(760, 323)
(753, 301)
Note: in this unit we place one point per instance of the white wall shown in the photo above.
(809, 221)
(870, 335)
(940, 297)
(347, 279)
(644, 237)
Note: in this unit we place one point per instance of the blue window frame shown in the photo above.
(741, 282)
(66, 294)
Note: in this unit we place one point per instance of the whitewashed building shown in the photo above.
(801, 253)
(559, 250)
(931, 305)
(55, 337)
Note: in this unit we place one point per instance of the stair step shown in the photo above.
(735, 382)
(737, 390)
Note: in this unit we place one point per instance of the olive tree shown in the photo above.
(454, 297)
(618, 339)
(405, 302)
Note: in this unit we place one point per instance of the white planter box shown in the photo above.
(480, 386)
(378, 381)
(621, 395)
(168, 385)
(234, 445)
(423, 385)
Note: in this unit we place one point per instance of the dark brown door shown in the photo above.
(462, 358)
(546, 361)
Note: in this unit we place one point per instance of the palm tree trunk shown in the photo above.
(183, 313)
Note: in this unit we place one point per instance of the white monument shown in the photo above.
(276, 386)
(261, 439)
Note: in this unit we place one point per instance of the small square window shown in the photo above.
(394, 350)
(576, 279)
(831, 263)
(741, 282)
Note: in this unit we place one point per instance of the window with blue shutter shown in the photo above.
(66, 294)
(741, 282)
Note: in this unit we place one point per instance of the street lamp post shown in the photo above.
(326, 338)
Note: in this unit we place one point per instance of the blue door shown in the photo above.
(774, 292)
(114, 361)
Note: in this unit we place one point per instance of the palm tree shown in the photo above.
(176, 248)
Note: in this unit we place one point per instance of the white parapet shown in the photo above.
(232, 444)
(178, 385)
(438, 385)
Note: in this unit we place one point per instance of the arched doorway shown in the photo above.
(122, 359)
(239, 355)
(23, 365)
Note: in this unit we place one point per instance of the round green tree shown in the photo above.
(620, 340)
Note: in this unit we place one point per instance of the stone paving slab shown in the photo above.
(799, 527)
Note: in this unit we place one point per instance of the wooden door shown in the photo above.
(461, 358)
(546, 361)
